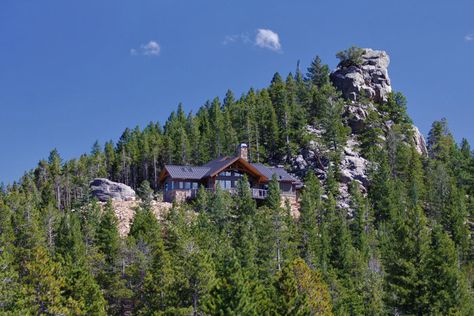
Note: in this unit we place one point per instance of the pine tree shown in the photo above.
(244, 226)
(447, 287)
(108, 239)
(350, 57)
(146, 259)
(335, 133)
(280, 236)
(220, 209)
(278, 95)
(42, 284)
(310, 219)
(217, 128)
(199, 275)
(145, 192)
(302, 291)
(318, 73)
(360, 226)
(440, 141)
(159, 293)
(233, 293)
(81, 291)
(9, 276)
(111, 275)
(404, 257)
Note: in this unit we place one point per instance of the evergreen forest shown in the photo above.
(403, 246)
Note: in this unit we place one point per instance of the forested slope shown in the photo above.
(391, 238)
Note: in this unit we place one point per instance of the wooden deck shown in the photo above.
(187, 194)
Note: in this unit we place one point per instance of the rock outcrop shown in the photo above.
(104, 190)
(125, 212)
(363, 86)
(419, 141)
(353, 165)
(369, 79)
(356, 116)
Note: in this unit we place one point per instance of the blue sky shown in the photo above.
(72, 72)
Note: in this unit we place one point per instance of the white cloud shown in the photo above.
(243, 37)
(151, 48)
(469, 37)
(267, 39)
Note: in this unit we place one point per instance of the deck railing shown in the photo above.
(257, 193)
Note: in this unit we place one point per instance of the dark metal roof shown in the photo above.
(187, 172)
(218, 164)
(281, 173)
(197, 173)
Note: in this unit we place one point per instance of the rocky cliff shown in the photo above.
(370, 78)
(363, 87)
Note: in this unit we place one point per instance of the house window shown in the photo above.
(195, 185)
(187, 185)
(225, 184)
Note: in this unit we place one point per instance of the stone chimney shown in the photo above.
(243, 151)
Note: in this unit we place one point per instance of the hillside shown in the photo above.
(384, 227)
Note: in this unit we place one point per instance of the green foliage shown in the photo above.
(404, 257)
(301, 291)
(318, 74)
(145, 192)
(108, 239)
(440, 141)
(396, 108)
(234, 293)
(41, 290)
(310, 219)
(447, 290)
(335, 132)
(350, 57)
(402, 244)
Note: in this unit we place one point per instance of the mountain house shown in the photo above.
(180, 183)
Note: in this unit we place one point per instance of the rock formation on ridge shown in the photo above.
(364, 87)
(104, 190)
(370, 78)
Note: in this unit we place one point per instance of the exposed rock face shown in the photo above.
(125, 211)
(419, 141)
(104, 190)
(313, 157)
(353, 166)
(356, 116)
(370, 78)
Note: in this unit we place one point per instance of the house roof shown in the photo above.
(215, 166)
(186, 172)
(218, 164)
(281, 173)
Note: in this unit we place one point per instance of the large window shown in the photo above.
(231, 173)
(237, 174)
(225, 184)
(182, 185)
